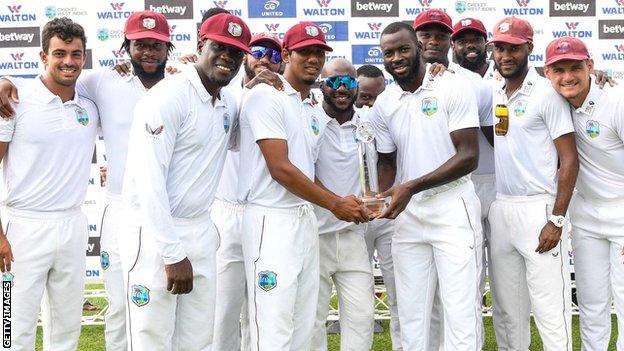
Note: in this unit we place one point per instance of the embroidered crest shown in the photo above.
(589, 109)
(311, 31)
(235, 29)
(504, 27)
(226, 122)
(149, 23)
(364, 132)
(563, 47)
(429, 106)
(315, 126)
(8, 277)
(82, 117)
(267, 280)
(140, 295)
(466, 22)
(520, 108)
(104, 260)
(153, 132)
(593, 129)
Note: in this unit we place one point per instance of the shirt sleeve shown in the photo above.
(7, 127)
(462, 109)
(156, 124)
(263, 111)
(383, 138)
(556, 114)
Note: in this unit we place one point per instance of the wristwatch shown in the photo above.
(558, 221)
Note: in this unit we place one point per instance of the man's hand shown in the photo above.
(188, 58)
(438, 69)
(179, 277)
(549, 237)
(602, 78)
(8, 94)
(6, 255)
(124, 68)
(350, 209)
(401, 195)
(267, 77)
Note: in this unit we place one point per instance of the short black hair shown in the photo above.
(369, 71)
(396, 27)
(63, 28)
(213, 11)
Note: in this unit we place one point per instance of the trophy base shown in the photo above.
(374, 204)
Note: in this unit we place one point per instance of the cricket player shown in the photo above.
(280, 134)
(343, 254)
(227, 213)
(529, 269)
(596, 208)
(371, 83)
(47, 149)
(177, 148)
(426, 129)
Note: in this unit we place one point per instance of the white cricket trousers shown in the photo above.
(159, 320)
(282, 269)
(436, 241)
(110, 261)
(344, 260)
(231, 329)
(379, 237)
(522, 279)
(598, 240)
(50, 254)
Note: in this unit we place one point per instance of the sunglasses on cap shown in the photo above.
(501, 112)
(258, 52)
(335, 82)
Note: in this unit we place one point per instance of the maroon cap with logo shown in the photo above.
(468, 24)
(512, 30)
(147, 25)
(433, 16)
(259, 38)
(566, 48)
(305, 34)
(227, 29)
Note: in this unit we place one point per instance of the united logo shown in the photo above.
(82, 117)
(140, 295)
(104, 260)
(429, 106)
(593, 129)
(267, 280)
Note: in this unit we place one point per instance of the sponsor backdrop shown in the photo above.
(353, 28)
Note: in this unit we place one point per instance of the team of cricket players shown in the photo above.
(234, 200)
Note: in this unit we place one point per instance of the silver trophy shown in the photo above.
(369, 180)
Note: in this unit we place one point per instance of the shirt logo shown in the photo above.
(520, 108)
(504, 27)
(311, 31)
(593, 129)
(235, 29)
(315, 126)
(82, 117)
(140, 295)
(149, 23)
(153, 132)
(267, 280)
(429, 106)
(104, 260)
(226, 122)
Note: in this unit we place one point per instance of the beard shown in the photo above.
(329, 101)
(518, 71)
(471, 65)
(158, 74)
(409, 78)
(249, 72)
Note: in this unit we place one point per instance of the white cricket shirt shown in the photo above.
(599, 126)
(417, 125)
(177, 147)
(526, 158)
(48, 161)
(270, 114)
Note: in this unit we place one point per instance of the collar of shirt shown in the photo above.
(46, 96)
(204, 95)
(427, 84)
(289, 90)
(352, 123)
(527, 85)
(592, 97)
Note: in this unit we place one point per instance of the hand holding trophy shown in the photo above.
(369, 181)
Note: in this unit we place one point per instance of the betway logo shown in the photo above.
(166, 9)
(616, 29)
(28, 37)
(566, 6)
(372, 6)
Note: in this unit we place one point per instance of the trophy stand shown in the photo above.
(369, 180)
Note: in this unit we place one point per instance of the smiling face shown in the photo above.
(219, 62)
(369, 89)
(570, 78)
(254, 66)
(401, 56)
(511, 60)
(341, 99)
(469, 50)
(435, 41)
(305, 64)
(148, 57)
(64, 60)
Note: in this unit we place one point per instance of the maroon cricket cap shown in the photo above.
(566, 48)
(259, 38)
(512, 30)
(147, 24)
(305, 34)
(433, 16)
(227, 29)
(468, 24)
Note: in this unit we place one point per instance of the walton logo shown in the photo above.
(523, 9)
(572, 25)
(619, 48)
(117, 13)
(220, 3)
(572, 31)
(15, 8)
(117, 6)
(272, 27)
(325, 3)
(17, 56)
(119, 53)
(617, 10)
(16, 15)
(618, 55)
(619, 2)
(18, 63)
(178, 36)
(375, 26)
(523, 3)
(425, 3)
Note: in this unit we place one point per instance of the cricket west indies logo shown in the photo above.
(17, 62)
(572, 8)
(572, 31)
(373, 32)
(223, 4)
(118, 11)
(323, 9)
(523, 8)
(616, 8)
(15, 14)
(272, 8)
